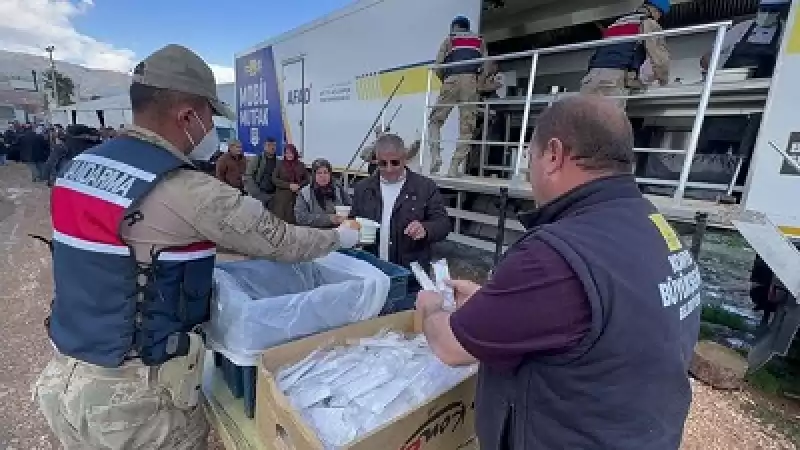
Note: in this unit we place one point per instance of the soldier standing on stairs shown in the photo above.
(459, 85)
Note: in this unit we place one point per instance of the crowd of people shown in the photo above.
(408, 205)
(45, 149)
(579, 315)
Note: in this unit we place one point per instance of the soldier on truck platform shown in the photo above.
(459, 85)
(135, 226)
(614, 69)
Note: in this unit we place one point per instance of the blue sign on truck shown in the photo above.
(258, 101)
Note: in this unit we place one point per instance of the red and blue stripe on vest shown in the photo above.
(107, 306)
(464, 47)
(626, 55)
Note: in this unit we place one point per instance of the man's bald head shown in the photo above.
(594, 131)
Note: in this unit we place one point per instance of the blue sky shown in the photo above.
(114, 34)
(213, 28)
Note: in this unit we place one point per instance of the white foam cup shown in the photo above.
(343, 211)
(369, 230)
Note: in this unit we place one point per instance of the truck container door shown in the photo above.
(297, 96)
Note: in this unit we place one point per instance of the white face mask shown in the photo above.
(209, 145)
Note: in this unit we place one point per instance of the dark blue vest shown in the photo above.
(107, 307)
(625, 386)
(465, 46)
(624, 56)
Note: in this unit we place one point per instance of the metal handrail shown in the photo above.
(705, 95)
(694, 29)
(697, 126)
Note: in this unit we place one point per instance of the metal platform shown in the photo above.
(685, 210)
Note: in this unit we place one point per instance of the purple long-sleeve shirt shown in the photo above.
(534, 305)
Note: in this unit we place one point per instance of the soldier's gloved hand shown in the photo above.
(348, 236)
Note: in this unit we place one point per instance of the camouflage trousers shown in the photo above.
(608, 82)
(455, 89)
(90, 407)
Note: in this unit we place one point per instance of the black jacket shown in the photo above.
(33, 147)
(419, 200)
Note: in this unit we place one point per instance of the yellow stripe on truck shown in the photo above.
(790, 231)
(794, 35)
(380, 85)
(416, 81)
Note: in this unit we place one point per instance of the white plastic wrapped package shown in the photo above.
(259, 304)
(348, 392)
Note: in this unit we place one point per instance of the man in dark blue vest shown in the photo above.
(135, 227)
(585, 331)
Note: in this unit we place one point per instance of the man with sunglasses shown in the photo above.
(406, 204)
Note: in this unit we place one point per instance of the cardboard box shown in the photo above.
(445, 422)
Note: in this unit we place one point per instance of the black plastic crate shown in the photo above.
(399, 297)
(241, 381)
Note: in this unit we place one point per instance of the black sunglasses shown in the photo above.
(386, 163)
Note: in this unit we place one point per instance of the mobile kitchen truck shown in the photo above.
(324, 85)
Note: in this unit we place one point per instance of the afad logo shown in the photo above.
(253, 67)
(446, 419)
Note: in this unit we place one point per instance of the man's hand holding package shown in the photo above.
(463, 290)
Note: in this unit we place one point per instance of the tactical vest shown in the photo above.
(758, 48)
(625, 385)
(464, 47)
(626, 55)
(107, 307)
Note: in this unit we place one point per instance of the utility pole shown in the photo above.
(50, 51)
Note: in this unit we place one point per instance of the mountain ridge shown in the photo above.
(88, 82)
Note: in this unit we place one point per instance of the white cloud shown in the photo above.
(28, 26)
(223, 74)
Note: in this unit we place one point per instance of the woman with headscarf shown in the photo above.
(316, 204)
(289, 177)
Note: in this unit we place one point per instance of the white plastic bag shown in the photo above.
(353, 390)
(259, 304)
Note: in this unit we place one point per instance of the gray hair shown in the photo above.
(390, 143)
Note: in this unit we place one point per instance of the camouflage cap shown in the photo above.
(179, 69)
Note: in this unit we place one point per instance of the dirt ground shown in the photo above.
(718, 420)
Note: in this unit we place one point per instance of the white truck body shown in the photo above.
(321, 86)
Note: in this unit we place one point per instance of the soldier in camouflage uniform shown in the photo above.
(128, 364)
(459, 85)
(614, 70)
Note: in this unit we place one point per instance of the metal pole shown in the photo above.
(591, 44)
(50, 51)
(425, 113)
(526, 115)
(484, 138)
(375, 122)
(501, 226)
(701, 112)
(701, 222)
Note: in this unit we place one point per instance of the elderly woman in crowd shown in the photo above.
(289, 177)
(317, 202)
